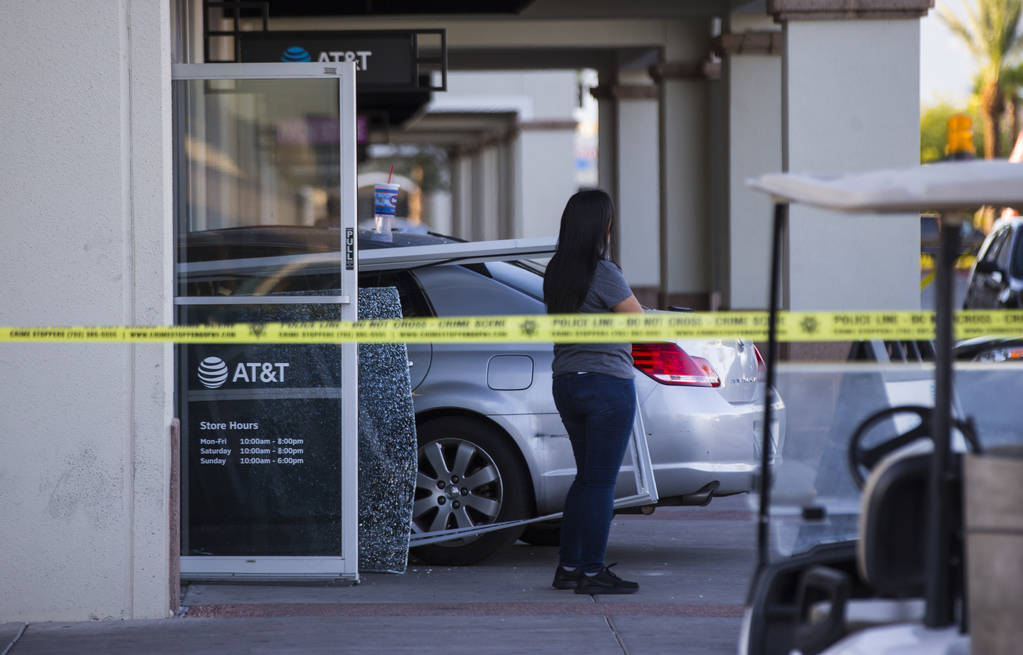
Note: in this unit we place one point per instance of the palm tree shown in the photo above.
(991, 34)
(1012, 87)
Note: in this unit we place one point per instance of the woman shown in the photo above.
(593, 390)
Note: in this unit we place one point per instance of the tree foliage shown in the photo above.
(991, 34)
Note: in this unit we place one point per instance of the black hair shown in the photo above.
(584, 239)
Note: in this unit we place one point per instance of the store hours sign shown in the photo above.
(263, 450)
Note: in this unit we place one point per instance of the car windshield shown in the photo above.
(1017, 256)
(815, 498)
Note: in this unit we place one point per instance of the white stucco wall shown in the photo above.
(547, 170)
(686, 163)
(539, 94)
(543, 173)
(85, 240)
(638, 200)
(851, 107)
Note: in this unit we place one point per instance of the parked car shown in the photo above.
(486, 422)
(996, 280)
(990, 349)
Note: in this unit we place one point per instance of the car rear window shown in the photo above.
(413, 302)
(518, 277)
(459, 291)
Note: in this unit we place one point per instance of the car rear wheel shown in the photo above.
(469, 475)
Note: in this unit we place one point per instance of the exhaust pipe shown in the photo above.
(700, 498)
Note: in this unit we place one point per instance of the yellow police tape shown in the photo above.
(569, 328)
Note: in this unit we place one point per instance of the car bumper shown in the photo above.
(695, 439)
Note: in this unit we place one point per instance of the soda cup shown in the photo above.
(385, 200)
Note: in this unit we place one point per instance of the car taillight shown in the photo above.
(761, 366)
(669, 364)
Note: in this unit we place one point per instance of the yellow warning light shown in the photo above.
(960, 136)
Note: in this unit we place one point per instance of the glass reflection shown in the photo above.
(826, 403)
(258, 215)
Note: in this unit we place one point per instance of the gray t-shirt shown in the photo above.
(607, 290)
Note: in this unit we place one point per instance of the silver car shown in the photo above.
(492, 447)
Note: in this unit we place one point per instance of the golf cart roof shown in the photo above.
(946, 186)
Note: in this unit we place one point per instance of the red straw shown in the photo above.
(390, 174)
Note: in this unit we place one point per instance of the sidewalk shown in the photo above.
(693, 565)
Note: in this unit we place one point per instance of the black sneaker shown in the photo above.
(605, 582)
(565, 579)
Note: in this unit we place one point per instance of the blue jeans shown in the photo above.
(598, 412)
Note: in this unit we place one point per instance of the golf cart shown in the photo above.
(884, 570)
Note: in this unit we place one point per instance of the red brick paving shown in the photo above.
(263, 610)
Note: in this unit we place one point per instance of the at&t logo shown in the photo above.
(213, 372)
(298, 53)
(295, 53)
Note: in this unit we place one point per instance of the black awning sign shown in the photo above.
(384, 59)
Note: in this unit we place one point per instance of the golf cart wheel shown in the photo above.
(547, 533)
(470, 474)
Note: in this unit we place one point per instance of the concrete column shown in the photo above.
(461, 194)
(607, 143)
(685, 162)
(850, 107)
(487, 222)
(750, 49)
(547, 172)
(508, 153)
(635, 173)
(86, 240)
(439, 208)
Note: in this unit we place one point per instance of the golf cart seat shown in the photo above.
(890, 552)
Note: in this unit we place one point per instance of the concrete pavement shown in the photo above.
(693, 565)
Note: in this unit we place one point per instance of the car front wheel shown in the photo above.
(469, 475)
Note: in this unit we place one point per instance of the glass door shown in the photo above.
(265, 205)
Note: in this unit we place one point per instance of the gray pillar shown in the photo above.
(634, 172)
(750, 49)
(487, 221)
(685, 165)
(848, 107)
(461, 194)
(547, 170)
(607, 144)
(508, 151)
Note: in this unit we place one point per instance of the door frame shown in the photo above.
(345, 564)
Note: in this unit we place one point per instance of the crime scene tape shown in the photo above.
(566, 328)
